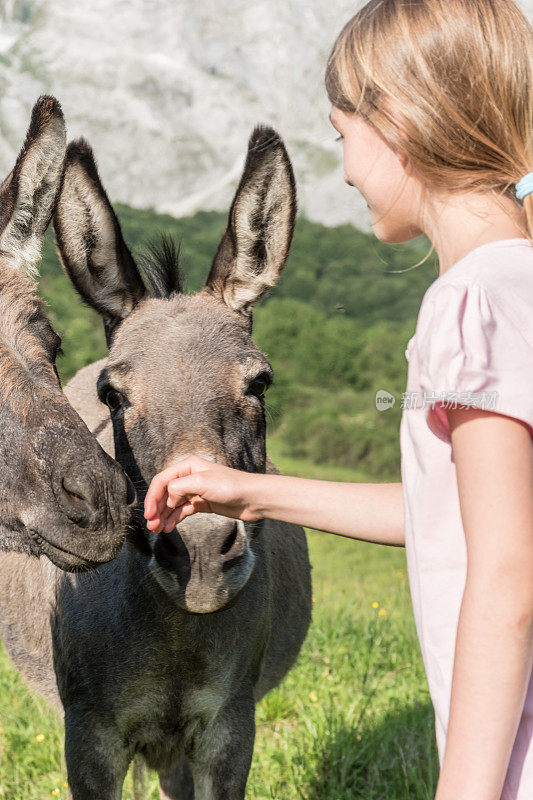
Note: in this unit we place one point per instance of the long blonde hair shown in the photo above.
(458, 77)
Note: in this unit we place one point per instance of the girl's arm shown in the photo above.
(493, 655)
(372, 512)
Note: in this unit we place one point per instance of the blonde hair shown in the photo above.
(456, 76)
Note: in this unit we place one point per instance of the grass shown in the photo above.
(352, 721)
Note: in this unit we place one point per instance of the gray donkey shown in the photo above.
(164, 651)
(61, 495)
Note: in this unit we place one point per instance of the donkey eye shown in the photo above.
(259, 385)
(113, 399)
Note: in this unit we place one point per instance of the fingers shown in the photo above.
(170, 496)
(181, 489)
(170, 518)
(155, 499)
(179, 514)
(173, 516)
(158, 486)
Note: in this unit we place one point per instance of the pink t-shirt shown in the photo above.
(474, 343)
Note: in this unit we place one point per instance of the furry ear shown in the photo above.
(90, 242)
(28, 194)
(255, 244)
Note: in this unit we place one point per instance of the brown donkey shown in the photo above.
(164, 651)
(61, 495)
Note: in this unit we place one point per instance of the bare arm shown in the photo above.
(371, 512)
(494, 645)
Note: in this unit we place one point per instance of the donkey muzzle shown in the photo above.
(209, 557)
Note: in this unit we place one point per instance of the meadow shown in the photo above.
(353, 719)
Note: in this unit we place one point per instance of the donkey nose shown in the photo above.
(86, 503)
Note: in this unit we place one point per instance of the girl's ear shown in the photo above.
(404, 161)
(400, 124)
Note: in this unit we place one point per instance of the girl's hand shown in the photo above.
(196, 484)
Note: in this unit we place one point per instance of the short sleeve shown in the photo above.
(472, 353)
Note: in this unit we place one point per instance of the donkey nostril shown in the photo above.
(166, 552)
(77, 498)
(229, 541)
(171, 554)
(73, 491)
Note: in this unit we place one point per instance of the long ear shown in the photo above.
(28, 194)
(90, 242)
(255, 244)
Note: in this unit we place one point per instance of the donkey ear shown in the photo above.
(28, 194)
(255, 244)
(90, 242)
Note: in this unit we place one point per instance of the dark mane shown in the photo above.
(160, 267)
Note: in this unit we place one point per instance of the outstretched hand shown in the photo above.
(196, 485)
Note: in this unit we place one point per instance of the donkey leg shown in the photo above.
(222, 754)
(96, 762)
(177, 784)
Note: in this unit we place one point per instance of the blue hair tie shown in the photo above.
(525, 186)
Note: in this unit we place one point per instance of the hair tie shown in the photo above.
(525, 186)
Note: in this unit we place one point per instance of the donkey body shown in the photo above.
(165, 651)
(61, 495)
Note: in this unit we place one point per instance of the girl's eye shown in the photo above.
(113, 399)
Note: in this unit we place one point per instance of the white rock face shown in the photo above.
(168, 91)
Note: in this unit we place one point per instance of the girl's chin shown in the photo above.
(394, 237)
(390, 233)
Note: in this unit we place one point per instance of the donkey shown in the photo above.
(61, 495)
(164, 651)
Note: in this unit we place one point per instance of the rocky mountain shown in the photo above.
(168, 91)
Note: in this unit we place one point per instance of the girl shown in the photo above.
(433, 101)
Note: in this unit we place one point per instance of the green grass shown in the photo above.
(353, 719)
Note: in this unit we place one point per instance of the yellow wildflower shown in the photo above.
(55, 792)
(382, 612)
(40, 737)
(313, 698)
(375, 605)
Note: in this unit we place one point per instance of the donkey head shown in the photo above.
(184, 375)
(60, 494)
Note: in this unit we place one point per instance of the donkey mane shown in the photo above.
(160, 267)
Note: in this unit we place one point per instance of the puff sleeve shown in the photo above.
(472, 352)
